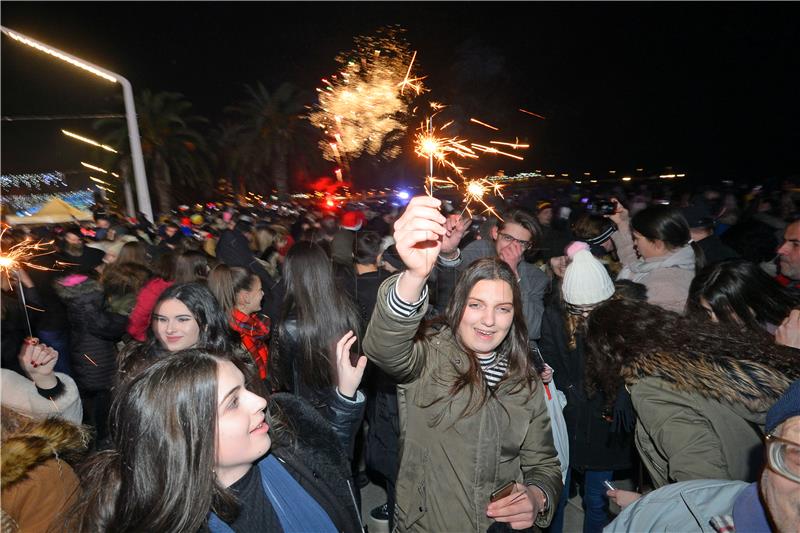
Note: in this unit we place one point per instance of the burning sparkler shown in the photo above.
(476, 190)
(20, 255)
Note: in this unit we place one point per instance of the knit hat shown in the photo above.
(351, 220)
(586, 281)
(785, 408)
(544, 204)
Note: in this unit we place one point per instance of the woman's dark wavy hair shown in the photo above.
(214, 331)
(621, 331)
(322, 313)
(667, 224)
(514, 347)
(158, 475)
(741, 294)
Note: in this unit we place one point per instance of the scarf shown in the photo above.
(253, 332)
(297, 510)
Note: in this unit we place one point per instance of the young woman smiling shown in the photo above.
(204, 457)
(472, 411)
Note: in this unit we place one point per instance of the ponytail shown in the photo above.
(226, 282)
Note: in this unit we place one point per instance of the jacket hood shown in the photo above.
(37, 441)
(755, 385)
(73, 291)
(682, 258)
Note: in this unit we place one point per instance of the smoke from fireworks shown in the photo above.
(364, 107)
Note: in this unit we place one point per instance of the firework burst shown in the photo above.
(365, 105)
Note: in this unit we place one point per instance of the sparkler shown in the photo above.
(475, 190)
(17, 256)
(532, 114)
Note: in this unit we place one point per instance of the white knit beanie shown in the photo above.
(586, 281)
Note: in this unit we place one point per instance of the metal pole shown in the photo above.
(129, 205)
(139, 175)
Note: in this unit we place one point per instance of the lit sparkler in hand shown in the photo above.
(20, 255)
(440, 150)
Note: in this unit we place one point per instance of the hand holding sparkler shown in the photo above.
(418, 237)
(38, 361)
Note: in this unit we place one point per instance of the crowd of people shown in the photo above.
(251, 369)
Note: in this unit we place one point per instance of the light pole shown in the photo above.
(139, 175)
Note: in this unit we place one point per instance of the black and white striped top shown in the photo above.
(493, 369)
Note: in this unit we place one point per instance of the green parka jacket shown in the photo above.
(702, 418)
(449, 465)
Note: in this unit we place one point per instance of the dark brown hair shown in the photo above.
(514, 347)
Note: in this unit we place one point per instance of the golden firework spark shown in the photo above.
(532, 114)
(365, 106)
(476, 121)
(476, 190)
(514, 146)
(21, 253)
(492, 150)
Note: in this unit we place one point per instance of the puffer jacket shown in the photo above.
(667, 278)
(94, 332)
(702, 418)
(38, 485)
(450, 465)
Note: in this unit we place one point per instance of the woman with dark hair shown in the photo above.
(193, 451)
(472, 409)
(239, 293)
(121, 284)
(656, 250)
(316, 316)
(184, 316)
(700, 390)
(740, 293)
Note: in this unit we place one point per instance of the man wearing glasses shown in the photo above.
(772, 504)
(517, 233)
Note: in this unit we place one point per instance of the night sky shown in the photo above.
(710, 89)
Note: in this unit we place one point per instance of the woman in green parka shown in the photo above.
(472, 409)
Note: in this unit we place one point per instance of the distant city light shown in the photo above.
(403, 195)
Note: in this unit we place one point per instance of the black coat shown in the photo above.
(284, 375)
(94, 332)
(592, 443)
(311, 453)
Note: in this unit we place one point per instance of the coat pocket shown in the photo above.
(417, 502)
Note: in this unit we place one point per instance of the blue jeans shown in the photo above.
(557, 524)
(59, 341)
(595, 501)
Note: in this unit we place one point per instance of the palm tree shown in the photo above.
(266, 130)
(176, 154)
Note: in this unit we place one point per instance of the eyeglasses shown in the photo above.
(783, 457)
(509, 239)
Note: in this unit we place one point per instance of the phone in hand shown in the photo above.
(502, 492)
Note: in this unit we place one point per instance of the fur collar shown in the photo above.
(37, 441)
(756, 385)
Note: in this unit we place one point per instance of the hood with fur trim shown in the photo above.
(34, 442)
(755, 385)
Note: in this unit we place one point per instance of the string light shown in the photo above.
(87, 165)
(28, 204)
(33, 180)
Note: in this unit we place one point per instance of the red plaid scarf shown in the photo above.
(254, 334)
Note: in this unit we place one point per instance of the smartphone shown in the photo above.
(608, 485)
(502, 492)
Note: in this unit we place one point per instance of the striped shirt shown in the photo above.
(493, 369)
